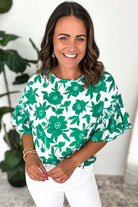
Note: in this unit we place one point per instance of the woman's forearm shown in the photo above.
(28, 141)
(88, 150)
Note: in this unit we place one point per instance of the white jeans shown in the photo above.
(80, 190)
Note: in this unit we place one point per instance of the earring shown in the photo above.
(53, 54)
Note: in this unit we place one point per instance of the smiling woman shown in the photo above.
(78, 31)
(69, 47)
(69, 110)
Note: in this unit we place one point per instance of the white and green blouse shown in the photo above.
(62, 116)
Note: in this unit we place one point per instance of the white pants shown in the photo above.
(80, 190)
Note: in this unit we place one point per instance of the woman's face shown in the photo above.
(69, 41)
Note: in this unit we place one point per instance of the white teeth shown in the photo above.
(70, 56)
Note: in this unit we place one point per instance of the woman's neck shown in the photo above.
(66, 73)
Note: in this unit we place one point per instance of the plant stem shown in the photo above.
(6, 136)
(7, 87)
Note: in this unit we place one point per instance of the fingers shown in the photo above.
(35, 168)
(56, 172)
(42, 169)
(58, 175)
(61, 179)
(37, 174)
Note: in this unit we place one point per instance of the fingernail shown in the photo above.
(43, 180)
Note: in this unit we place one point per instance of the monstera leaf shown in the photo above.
(5, 5)
(21, 79)
(5, 38)
(14, 61)
(4, 110)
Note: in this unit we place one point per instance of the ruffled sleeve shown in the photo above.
(21, 116)
(113, 119)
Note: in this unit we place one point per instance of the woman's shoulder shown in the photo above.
(107, 82)
(36, 78)
(107, 76)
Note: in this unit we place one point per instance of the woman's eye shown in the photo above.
(63, 38)
(80, 39)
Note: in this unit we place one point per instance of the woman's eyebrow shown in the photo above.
(81, 35)
(69, 35)
(64, 34)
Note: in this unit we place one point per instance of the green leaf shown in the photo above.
(56, 85)
(12, 158)
(98, 97)
(1, 60)
(15, 140)
(75, 120)
(66, 104)
(15, 62)
(52, 79)
(87, 117)
(53, 109)
(61, 144)
(47, 143)
(1, 66)
(66, 137)
(7, 38)
(36, 142)
(109, 79)
(2, 33)
(31, 61)
(112, 86)
(5, 5)
(3, 166)
(73, 144)
(44, 159)
(59, 111)
(5, 110)
(21, 79)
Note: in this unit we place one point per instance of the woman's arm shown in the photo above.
(34, 166)
(66, 167)
(88, 150)
(28, 141)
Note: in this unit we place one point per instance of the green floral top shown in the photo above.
(62, 116)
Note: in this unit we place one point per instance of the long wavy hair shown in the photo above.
(91, 68)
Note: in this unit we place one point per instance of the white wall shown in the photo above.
(116, 32)
(133, 150)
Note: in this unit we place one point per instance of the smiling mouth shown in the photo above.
(70, 56)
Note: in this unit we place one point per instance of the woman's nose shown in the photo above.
(71, 46)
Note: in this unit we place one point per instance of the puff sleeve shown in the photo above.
(113, 118)
(21, 116)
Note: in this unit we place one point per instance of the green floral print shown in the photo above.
(57, 126)
(62, 115)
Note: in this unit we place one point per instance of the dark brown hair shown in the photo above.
(91, 68)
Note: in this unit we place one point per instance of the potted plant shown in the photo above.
(13, 163)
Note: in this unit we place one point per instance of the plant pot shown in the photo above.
(16, 176)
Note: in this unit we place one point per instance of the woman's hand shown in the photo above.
(62, 171)
(35, 168)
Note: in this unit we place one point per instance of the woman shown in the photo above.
(69, 110)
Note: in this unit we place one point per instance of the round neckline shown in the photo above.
(62, 79)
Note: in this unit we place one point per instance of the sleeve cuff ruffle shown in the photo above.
(112, 123)
(21, 119)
